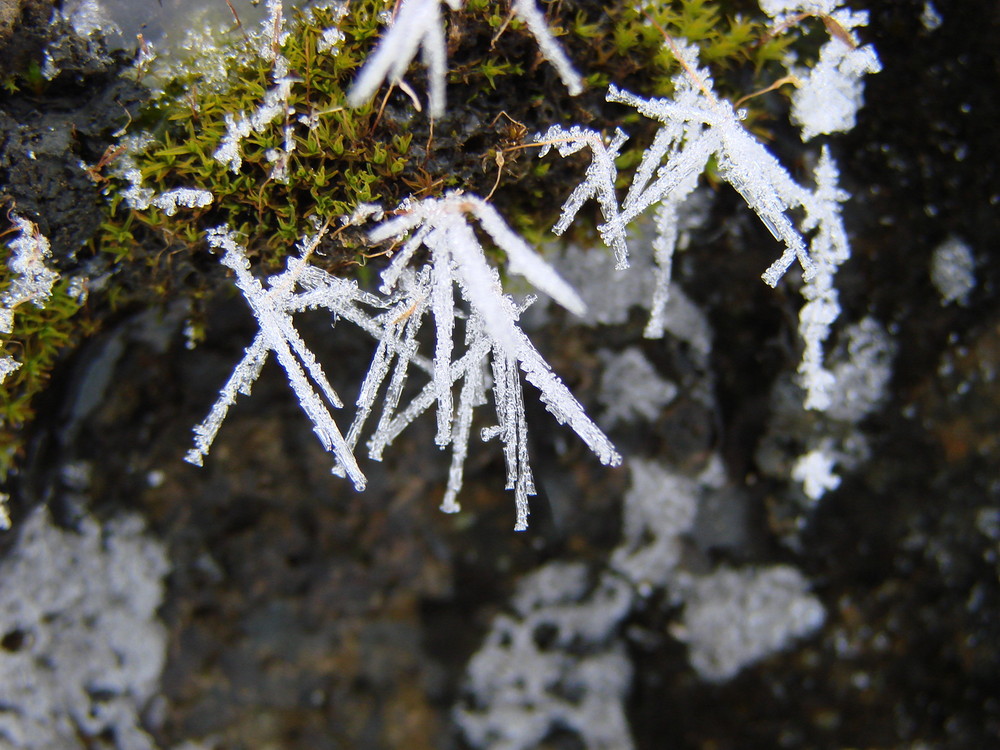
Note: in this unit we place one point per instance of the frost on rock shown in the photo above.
(92, 27)
(88, 17)
(631, 389)
(80, 609)
(930, 18)
(557, 659)
(953, 271)
(204, 57)
(610, 295)
(552, 664)
(734, 618)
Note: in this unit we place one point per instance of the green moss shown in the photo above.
(351, 156)
(38, 338)
(346, 157)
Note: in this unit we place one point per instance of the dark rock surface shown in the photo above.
(304, 615)
(23, 32)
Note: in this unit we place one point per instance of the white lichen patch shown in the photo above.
(84, 649)
(953, 271)
(733, 618)
(815, 472)
(631, 389)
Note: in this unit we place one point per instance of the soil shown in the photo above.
(305, 615)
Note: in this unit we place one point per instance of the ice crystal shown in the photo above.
(527, 11)
(492, 339)
(239, 126)
(272, 308)
(419, 25)
(830, 92)
(492, 334)
(697, 126)
(598, 183)
(169, 201)
(7, 363)
(829, 249)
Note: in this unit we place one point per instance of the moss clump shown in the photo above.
(338, 157)
(38, 337)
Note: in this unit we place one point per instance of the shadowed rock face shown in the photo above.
(22, 31)
(46, 132)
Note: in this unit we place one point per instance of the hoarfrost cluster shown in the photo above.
(697, 126)
(494, 344)
(479, 344)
